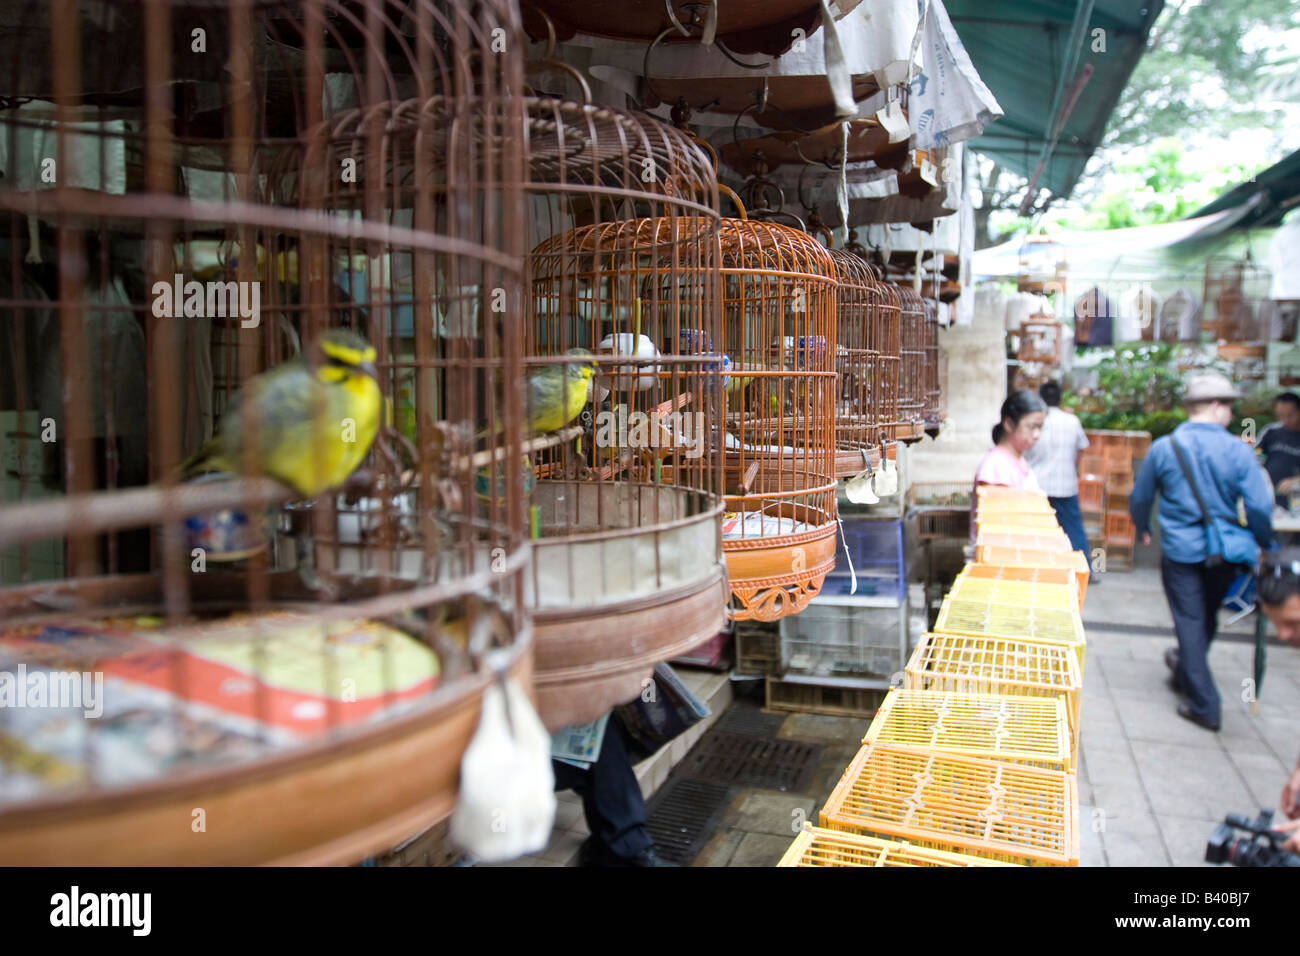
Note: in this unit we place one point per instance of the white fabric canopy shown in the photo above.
(1283, 254)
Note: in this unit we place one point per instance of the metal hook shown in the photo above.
(672, 17)
(550, 29)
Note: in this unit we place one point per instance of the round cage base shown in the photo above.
(301, 806)
(772, 578)
(850, 461)
(589, 662)
(907, 432)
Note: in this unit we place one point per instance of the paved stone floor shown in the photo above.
(1151, 785)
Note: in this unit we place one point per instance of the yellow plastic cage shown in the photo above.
(1033, 731)
(998, 665)
(997, 811)
(815, 846)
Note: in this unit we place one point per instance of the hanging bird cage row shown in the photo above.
(343, 185)
(624, 310)
(912, 353)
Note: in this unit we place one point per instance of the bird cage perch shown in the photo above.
(260, 638)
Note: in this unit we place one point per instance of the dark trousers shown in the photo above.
(1194, 593)
(1067, 513)
(611, 797)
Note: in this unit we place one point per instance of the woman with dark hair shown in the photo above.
(1022, 420)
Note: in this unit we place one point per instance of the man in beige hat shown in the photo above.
(1200, 472)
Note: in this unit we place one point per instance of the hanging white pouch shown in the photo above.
(506, 806)
(887, 478)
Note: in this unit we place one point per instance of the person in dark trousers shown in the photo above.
(1193, 569)
(1279, 444)
(1055, 460)
(612, 804)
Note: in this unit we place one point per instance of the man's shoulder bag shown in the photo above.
(1236, 544)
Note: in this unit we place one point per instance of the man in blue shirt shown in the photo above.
(1225, 470)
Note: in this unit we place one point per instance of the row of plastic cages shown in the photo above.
(971, 759)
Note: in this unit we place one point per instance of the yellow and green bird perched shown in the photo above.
(557, 394)
(315, 417)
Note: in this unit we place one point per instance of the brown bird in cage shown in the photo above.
(315, 417)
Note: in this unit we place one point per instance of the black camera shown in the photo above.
(1244, 842)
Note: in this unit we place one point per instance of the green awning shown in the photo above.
(1264, 200)
(1020, 51)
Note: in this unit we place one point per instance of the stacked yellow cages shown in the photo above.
(974, 758)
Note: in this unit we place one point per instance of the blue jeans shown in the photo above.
(1194, 593)
(1067, 513)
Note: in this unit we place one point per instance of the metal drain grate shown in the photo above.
(740, 719)
(683, 815)
(747, 760)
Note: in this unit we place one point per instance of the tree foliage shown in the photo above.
(1199, 73)
(1199, 79)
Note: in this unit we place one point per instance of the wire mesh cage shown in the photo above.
(280, 230)
(858, 405)
(627, 490)
(778, 308)
(912, 353)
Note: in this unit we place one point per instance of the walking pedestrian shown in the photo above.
(1021, 420)
(1201, 471)
(1055, 461)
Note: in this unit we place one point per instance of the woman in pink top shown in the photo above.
(1022, 421)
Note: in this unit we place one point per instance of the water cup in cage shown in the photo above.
(699, 342)
(231, 534)
(812, 350)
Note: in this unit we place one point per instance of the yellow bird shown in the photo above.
(315, 418)
(557, 394)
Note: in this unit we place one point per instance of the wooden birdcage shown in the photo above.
(912, 378)
(262, 638)
(1233, 291)
(883, 340)
(627, 565)
(1040, 340)
(933, 397)
(778, 314)
(886, 342)
(859, 405)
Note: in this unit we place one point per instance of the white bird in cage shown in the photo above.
(641, 377)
